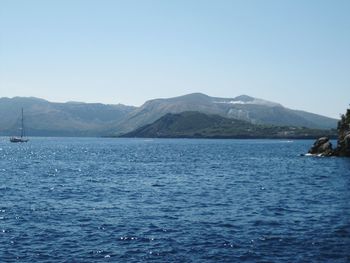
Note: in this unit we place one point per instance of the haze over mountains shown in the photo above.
(44, 118)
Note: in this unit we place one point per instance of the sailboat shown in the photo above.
(22, 138)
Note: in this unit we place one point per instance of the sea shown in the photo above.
(171, 200)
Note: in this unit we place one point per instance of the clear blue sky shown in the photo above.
(293, 52)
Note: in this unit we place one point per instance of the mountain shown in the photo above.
(44, 118)
(201, 125)
(256, 111)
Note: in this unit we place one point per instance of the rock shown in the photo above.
(322, 147)
(347, 141)
(343, 148)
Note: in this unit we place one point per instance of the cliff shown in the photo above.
(343, 147)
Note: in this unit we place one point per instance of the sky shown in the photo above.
(293, 52)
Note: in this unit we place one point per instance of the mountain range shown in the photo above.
(44, 118)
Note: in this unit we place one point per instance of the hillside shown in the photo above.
(200, 125)
(253, 110)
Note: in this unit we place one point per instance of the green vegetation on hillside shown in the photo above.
(199, 125)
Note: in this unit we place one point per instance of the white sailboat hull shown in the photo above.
(18, 139)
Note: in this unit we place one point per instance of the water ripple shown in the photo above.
(130, 200)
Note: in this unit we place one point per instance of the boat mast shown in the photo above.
(22, 126)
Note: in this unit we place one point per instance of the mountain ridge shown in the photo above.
(73, 118)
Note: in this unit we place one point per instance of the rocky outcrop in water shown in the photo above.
(323, 147)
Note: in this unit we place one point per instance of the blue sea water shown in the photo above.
(163, 200)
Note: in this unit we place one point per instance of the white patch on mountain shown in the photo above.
(246, 100)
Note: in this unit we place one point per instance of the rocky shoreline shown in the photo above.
(323, 146)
